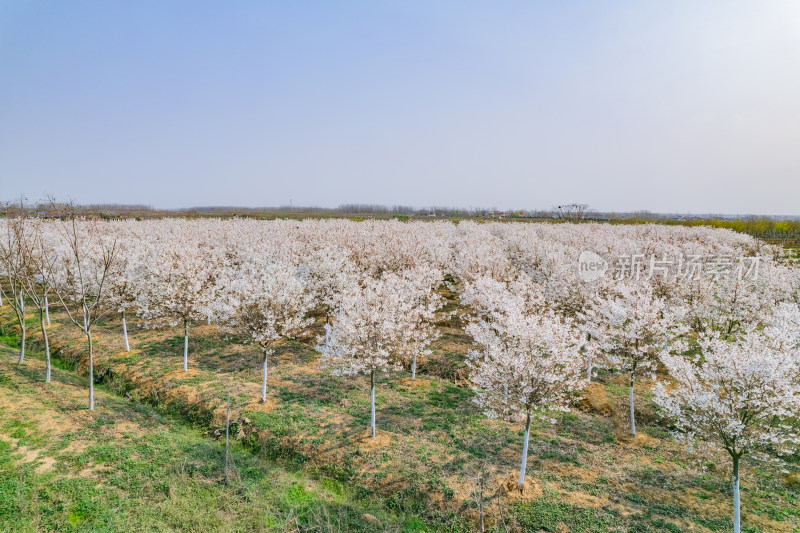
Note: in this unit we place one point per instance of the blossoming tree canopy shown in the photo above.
(179, 283)
(741, 395)
(416, 311)
(635, 327)
(366, 336)
(527, 361)
(265, 302)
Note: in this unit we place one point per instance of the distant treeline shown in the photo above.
(773, 229)
(763, 228)
(377, 211)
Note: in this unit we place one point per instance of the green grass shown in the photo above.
(169, 481)
(303, 460)
(545, 514)
(168, 476)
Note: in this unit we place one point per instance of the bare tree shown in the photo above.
(479, 479)
(81, 276)
(40, 258)
(572, 212)
(15, 269)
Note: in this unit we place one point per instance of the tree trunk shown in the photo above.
(737, 526)
(589, 354)
(47, 309)
(91, 372)
(46, 349)
(264, 379)
(227, 433)
(22, 342)
(414, 366)
(633, 419)
(22, 328)
(185, 345)
(372, 402)
(125, 333)
(524, 452)
(480, 514)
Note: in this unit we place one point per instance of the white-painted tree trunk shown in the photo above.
(47, 310)
(414, 366)
(227, 433)
(372, 402)
(737, 526)
(633, 419)
(185, 346)
(24, 331)
(91, 372)
(524, 452)
(125, 333)
(264, 379)
(46, 350)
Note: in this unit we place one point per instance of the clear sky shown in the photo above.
(670, 106)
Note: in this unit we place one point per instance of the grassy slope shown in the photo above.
(303, 453)
(126, 467)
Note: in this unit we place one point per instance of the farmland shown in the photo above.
(148, 453)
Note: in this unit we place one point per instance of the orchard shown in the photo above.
(711, 316)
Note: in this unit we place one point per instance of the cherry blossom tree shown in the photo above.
(782, 327)
(416, 312)
(527, 362)
(128, 279)
(180, 273)
(266, 302)
(365, 335)
(329, 273)
(636, 325)
(741, 395)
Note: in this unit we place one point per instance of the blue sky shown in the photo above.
(668, 106)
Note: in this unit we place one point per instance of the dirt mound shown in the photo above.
(264, 407)
(419, 382)
(367, 442)
(530, 489)
(595, 400)
(638, 441)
